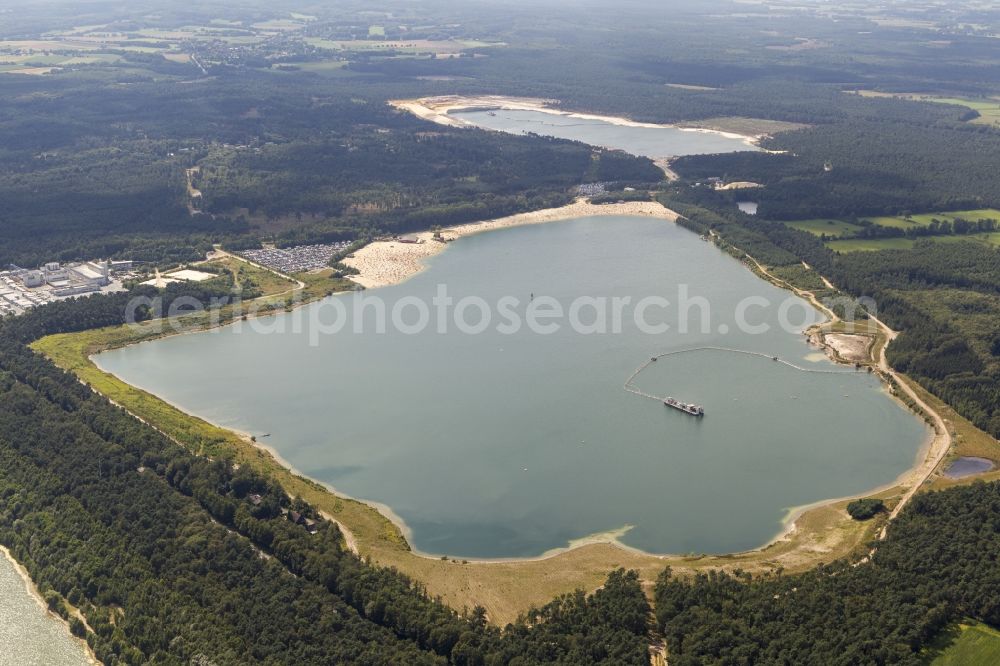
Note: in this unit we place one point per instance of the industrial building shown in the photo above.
(33, 279)
(72, 279)
(21, 289)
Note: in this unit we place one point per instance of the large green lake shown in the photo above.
(510, 444)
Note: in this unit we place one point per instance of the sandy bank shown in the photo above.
(37, 596)
(390, 262)
(739, 185)
(850, 347)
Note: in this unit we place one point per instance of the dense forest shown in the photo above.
(174, 558)
(937, 566)
(95, 169)
(863, 167)
(300, 159)
(403, 178)
(871, 161)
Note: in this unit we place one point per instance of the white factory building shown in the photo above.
(70, 279)
(22, 289)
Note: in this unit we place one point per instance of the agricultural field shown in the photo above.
(924, 219)
(973, 644)
(896, 222)
(842, 234)
(843, 229)
(440, 47)
(872, 244)
(43, 56)
(989, 109)
(279, 25)
(828, 227)
(317, 66)
(45, 62)
(267, 282)
(260, 42)
(216, 41)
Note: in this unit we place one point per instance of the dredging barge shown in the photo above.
(692, 409)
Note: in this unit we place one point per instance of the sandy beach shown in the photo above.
(851, 348)
(384, 263)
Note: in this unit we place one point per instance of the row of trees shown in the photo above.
(957, 227)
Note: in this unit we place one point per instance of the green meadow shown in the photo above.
(832, 228)
(989, 109)
(925, 219)
(842, 233)
(872, 244)
(973, 644)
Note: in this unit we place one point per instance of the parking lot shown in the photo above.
(298, 259)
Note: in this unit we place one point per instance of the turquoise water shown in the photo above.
(29, 635)
(654, 142)
(508, 445)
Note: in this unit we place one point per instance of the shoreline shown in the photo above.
(387, 263)
(936, 445)
(29, 584)
(809, 535)
(438, 109)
